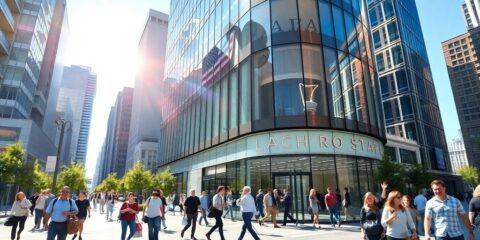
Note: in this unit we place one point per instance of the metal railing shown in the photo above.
(6, 10)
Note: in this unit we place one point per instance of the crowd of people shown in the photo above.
(391, 216)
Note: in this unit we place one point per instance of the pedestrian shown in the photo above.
(33, 201)
(94, 200)
(347, 203)
(420, 202)
(154, 213)
(128, 214)
(191, 204)
(83, 206)
(474, 211)
(230, 201)
(287, 203)
(270, 209)
(259, 204)
(110, 204)
(176, 202)
(19, 214)
(396, 219)
(219, 204)
(103, 196)
(407, 204)
(370, 218)
(313, 207)
(181, 202)
(203, 207)
(247, 207)
(60, 210)
(39, 206)
(49, 197)
(164, 205)
(446, 212)
(331, 204)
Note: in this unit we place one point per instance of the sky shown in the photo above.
(104, 35)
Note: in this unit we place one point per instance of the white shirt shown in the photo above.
(218, 200)
(420, 202)
(17, 209)
(401, 226)
(153, 209)
(247, 203)
(41, 202)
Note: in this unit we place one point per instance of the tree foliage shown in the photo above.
(41, 179)
(165, 181)
(470, 175)
(109, 183)
(11, 161)
(73, 176)
(137, 178)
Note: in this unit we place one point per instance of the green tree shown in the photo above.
(165, 181)
(137, 179)
(73, 176)
(41, 179)
(11, 161)
(470, 175)
(392, 172)
(417, 177)
(24, 177)
(109, 183)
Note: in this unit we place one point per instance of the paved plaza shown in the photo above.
(96, 228)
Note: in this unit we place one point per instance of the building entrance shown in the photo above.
(298, 183)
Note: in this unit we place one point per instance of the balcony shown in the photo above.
(14, 5)
(6, 18)
(4, 43)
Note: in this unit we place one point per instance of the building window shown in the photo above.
(392, 31)
(408, 157)
(326, 22)
(262, 90)
(309, 24)
(284, 21)
(260, 26)
(245, 92)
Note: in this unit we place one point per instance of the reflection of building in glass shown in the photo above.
(458, 155)
(413, 122)
(271, 94)
(461, 56)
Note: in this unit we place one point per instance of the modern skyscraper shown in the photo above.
(461, 56)
(271, 93)
(458, 155)
(412, 116)
(144, 126)
(116, 141)
(31, 33)
(471, 13)
(76, 95)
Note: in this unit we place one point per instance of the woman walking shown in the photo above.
(347, 203)
(128, 213)
(19, 214)
(397, 219)
(39, 206)
(313, 206)
(230, 201)
(83, 208)
(248, 208)
(218, 204)
(408, 204)
(370, 218)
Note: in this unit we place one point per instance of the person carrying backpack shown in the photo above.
(59, 210)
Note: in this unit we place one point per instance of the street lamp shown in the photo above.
(62, 124)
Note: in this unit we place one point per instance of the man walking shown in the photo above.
(331, 204)
(247, 206)
(191, 204)
(270, 208)
(446, 212)
(287, 203)
(420, 202)
(204, 207)
(59, 210)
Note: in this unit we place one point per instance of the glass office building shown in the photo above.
(278, 93)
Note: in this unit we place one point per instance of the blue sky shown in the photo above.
(442, 20)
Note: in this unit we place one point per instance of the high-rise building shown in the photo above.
(144, 126)
(471, 13)
(271, 93)
(412, 117)
(114, 151)
(461, 57)
(31, 50)
(76, 96)
(458, 155)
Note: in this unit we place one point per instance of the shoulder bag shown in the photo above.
(145, 218)
(72, 222)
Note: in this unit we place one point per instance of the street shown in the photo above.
(97, 228)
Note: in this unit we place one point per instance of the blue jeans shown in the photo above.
(334, 216)
(153, 227)
(247, 225)
(57, 229)
(204, 216)
(38, 216)
(130, 224)
(109, 211)
(261, 214)
(229, 210)
(450, 238)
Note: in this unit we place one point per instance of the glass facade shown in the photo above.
(407, 88)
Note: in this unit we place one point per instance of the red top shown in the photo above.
(127, 215)
(331, 200)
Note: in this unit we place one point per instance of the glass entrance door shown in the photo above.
(298, 183)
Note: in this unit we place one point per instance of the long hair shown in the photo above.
(410, 205)
(391, 198)
(313, 193)
(17, 196)
(367, 207)
(476, 193)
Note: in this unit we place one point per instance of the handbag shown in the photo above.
(10, 221)
(145, 218)
(310, 210)
(138, 228)
(213, 213)
(372, 227)
(120, 214)
(72, 225)
(184, 221)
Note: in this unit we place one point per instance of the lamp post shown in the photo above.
(62, 124)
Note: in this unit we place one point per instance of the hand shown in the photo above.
(66, 213)
(414, 235)
(394, 215)
(427, 237)
(384, 185)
